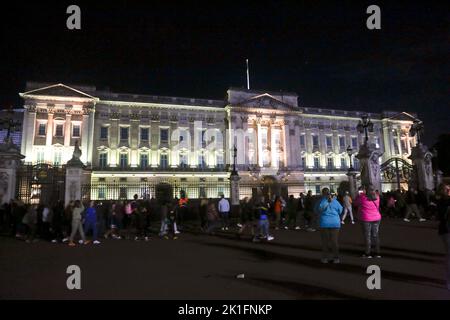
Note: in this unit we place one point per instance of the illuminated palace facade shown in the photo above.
(133, 139)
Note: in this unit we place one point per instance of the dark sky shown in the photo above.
(320, 50)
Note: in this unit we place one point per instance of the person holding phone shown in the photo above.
(329, 209)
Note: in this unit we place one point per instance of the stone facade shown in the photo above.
(283, 147)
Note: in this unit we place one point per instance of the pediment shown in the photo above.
(266, 101)
(403, 116)
(58, 90)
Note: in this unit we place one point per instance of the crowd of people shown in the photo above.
(141, 219)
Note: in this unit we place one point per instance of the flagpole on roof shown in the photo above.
(248, 76)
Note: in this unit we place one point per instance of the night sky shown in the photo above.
(320, 50)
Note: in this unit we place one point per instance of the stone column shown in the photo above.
(259, 143)
(49, 136)
(368, 157)
(423, 169)
(9, 162)
(67, 127)
(74, 176)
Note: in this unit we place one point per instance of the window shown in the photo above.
(201, 161)
(330, 163)
(57, 158)
(103, 133)
(356, 163)
(354, 142)
(103, 160)
(219, 161)
(143, 160)
(342, 142)
(329, 141)
(124, 133)
(315, 140)
(302, 140)
(76, 131)
(317, 189)
(101, 193)
(59, 130)
(163, 161)
(343, 163)
(144, 134)
(183, 160)
(316, 163)
(40, 156)
(303, 162)
(163, 135)
(123, 160)
(377, 142)
(41, 130)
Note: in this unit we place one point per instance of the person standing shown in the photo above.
(443, 214)
(91, 222)
(77, 225)
(277, 209)
(300, 211)
(263, 222)
(202, 210)
(224, 211)
(291, 212)
(212, 216)
(309, 212)
(30, 220)
(347, 201)
(57, 222)
(328, 210)
(368, 204)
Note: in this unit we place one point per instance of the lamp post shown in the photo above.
(365, 126)
(234, 172)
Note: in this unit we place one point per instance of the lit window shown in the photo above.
(163, 161)
(123, 160)
(342, 141)
(316, 163)
(144, 160)
(41, 130)
(57, 159)
(329, 142)
(103, 160)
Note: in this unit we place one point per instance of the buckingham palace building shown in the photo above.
(132, 142)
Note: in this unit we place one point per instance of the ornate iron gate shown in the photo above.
(397, 172)
(40, 183)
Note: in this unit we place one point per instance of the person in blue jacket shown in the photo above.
(328, 209)
(91, 222)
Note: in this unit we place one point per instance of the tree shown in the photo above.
(442, 147)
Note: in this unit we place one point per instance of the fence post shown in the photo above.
(74, 176)
(9, 161)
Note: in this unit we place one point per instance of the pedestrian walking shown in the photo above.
(77, 225)
(90, 223)
(347, 202)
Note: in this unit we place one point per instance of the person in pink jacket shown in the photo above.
(368, 204)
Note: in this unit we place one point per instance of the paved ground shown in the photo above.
(204, 267)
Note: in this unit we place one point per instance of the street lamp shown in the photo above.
(365, 126)
(234, 172)
(350, 152)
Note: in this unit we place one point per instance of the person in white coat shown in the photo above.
(224, 211)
